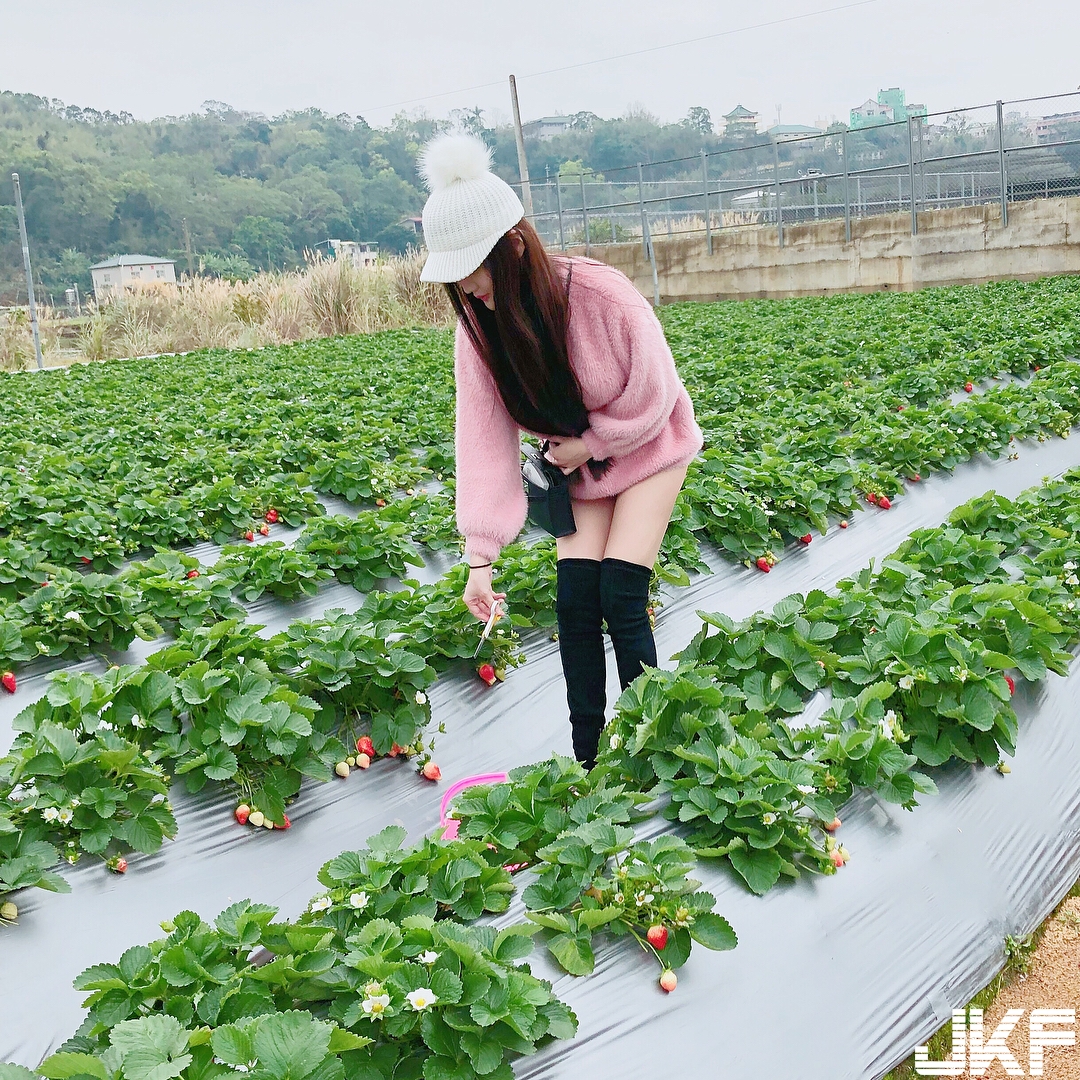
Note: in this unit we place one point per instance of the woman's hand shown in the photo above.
(568, 454)
(478, 596)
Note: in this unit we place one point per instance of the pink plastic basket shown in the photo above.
(450, 827)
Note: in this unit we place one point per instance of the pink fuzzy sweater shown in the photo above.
(640, 414)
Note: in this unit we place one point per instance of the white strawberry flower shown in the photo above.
(428, 957)
(421, 697)
(375, 1006)
(1070, 566)
(359, 900)
(619, 898)
(615, 742)
(75, 803)
(421, 999)
(906, 682)
(137, 721)
(1072, 579)
(322, 903)
(64, 817)
(806, 789)
(50, 813)
(72, 616)
(768, 819)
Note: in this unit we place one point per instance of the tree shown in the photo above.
(265, 242)
(699, 119)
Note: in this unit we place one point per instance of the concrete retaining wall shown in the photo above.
(964, 244)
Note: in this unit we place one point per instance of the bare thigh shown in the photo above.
(593, 520)
(641, 517)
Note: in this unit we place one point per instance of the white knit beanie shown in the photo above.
(468, 210)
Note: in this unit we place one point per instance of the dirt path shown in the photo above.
(1052, 982)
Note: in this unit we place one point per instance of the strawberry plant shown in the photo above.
(272, 568)
(360, 550)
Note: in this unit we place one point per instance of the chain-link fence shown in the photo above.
(964, 157)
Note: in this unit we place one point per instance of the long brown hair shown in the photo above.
(523, 341)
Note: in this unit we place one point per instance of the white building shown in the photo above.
(362, 255)
(547, 127)
(122, 272)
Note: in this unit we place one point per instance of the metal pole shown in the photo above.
(708, 215)
(78, 301)
(558, 202)
(523, 165)
(1001, 166)
(652, 263)
(641, 204)
(29, 272)
(911, 177)
(776, 178)
(585, 213)
(847, 199)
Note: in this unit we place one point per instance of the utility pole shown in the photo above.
(523, 165)
(29, 272)
(187, 248)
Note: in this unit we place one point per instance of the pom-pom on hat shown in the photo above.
(469, 207)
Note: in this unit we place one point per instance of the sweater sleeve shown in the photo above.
(491, 503)
(640, 411)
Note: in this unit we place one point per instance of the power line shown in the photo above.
(635, 52)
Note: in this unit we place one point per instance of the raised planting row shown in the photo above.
(805, 404)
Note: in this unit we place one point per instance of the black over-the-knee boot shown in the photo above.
(624, 599)
(581, 646)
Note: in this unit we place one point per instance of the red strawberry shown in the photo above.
(192, 574)
(915, 479)
(117, 864)
(1037, 368)
(249, 535)
(763, 565)
(272, 516)
(487, 673)
(900, 408)
(805, 539)
(668, 981)
(1008, 679)
(884, 502)
(657, 937)
(871, 497)
(843, 524)
(285, 822)
(242, 813)
(431, 771)
(364, 745)
(264, 530)
(968, 387)
(84, 559)
(833, 825)
(8, 681)
(837, 858)
(380, 502)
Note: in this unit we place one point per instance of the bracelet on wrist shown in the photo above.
(479, 566)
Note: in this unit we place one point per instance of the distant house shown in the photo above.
(740, 123)
(869, 114)
(362, 255)
(891, 105)
(123, 272)
(787, 132)
(547, 127)
(414, 223)
(1057, 128)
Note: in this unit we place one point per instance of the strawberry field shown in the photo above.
(229, 581)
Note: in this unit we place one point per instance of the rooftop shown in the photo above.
(130, 260)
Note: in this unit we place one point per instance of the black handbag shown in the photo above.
(547, 489)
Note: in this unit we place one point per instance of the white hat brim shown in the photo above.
(447, 266)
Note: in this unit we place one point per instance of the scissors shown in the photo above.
(489, 625)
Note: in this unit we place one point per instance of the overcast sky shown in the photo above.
(374, 59)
